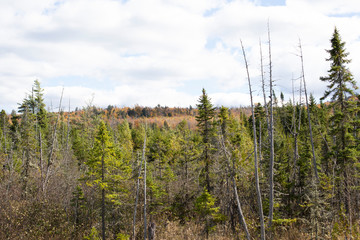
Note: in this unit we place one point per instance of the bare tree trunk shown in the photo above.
(308, 113)
(263, 89)
(257, 185)
(294, 131)
(271, 135)
(49, 162)
(241, 215)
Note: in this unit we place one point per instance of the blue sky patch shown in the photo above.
(211, 42)
(269, 3)
(210, 12)
(345, 15)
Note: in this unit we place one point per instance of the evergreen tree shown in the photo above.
(41, 113)
(339, 77)
(341, 90)
(223, 121)
(34, 107)
(4, 126)
(106, 170)
(206, 113)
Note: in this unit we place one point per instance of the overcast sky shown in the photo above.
(149, 52)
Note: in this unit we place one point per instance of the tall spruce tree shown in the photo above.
(107, 170)
(341, 90)
(206, 113)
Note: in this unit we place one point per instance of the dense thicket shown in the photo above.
(74, 175)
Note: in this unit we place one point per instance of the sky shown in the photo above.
(150, 52)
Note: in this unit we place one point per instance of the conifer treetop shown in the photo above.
(339, 77)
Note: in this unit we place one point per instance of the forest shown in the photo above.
(280, 169)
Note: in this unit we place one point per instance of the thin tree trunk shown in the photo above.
(271, 177)
(49, 162)
(260, 144)
(317, 180)
(261, 215)
(263, 89)
(241, 215)
(308, 113)
(54, 132)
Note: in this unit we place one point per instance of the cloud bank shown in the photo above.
(151, 52)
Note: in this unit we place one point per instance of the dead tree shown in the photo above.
(263, 88)
(317, 181)
(257, 185)
(271, 135)
(52, 147)
(308, 114)
(232, 173)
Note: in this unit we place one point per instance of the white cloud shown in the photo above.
(233, 99)
(126, 95)
(145, 51)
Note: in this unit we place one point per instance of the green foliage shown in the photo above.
(205, 124)
(204, 206)
(224, 120)
(124, 140)
(80, 145)
(137, 135)
(343, 153)
(121, 236)
(206, 113)
(94, 235)
(105, 167)
(78, 202)
(339, 76)
(34, 103)
(180, 160)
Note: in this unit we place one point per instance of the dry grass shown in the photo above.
(192, 231)
(189, 231)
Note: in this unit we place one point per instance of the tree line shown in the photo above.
(278, 170)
